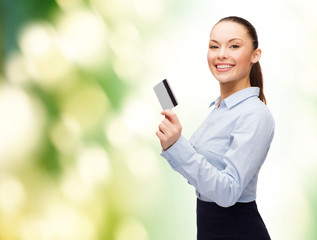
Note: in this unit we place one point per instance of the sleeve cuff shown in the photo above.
(179, 152)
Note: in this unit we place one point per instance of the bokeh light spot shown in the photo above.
(20, 125)
(131, 229)
(12, 194)
(74, 187)
(117, 132)
(66, 135)
(125, 42)
(93, 165)
(87, 106)
(142, 162)
(67, 223)
(45, 62)
(83, 38)
(16, 69)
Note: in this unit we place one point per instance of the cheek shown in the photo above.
(210, 58)
(243, 58)
(247, 60)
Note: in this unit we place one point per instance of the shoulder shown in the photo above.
(253, 109)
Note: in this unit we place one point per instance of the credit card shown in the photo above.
(165, 95)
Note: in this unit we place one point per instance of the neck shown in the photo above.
(229, 88)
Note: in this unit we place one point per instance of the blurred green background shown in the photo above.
(79, 158)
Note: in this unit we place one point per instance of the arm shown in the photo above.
(251, 139)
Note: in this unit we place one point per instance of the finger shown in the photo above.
(162, 127)
(159, 134)
(167, 123)
(170, 115)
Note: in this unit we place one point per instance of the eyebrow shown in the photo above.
(233, 39)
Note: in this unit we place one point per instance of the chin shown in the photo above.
(225, 80)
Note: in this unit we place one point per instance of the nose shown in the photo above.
(222, 53)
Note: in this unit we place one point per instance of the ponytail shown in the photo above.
(256, 79)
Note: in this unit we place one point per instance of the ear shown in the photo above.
(256, 55)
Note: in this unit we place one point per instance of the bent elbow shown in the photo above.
(229, 196)
(225, 192)
(226, 202)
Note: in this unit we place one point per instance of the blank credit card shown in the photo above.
(165, 95)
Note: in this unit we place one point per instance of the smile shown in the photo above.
(224, 67)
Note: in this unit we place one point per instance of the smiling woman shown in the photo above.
(223, 158)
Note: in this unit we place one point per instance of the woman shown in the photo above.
(223, 158)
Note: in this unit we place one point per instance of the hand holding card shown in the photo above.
(170, 129)
(165, 95)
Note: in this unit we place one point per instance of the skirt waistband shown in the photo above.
(251, 204)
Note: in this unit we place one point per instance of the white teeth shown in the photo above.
(224, 66)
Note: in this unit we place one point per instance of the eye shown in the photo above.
(235, 46)
(213, 46)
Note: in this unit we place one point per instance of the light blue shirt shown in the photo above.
(223, 158)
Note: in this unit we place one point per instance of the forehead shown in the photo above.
(227, 30)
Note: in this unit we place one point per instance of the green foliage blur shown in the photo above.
(74, 164)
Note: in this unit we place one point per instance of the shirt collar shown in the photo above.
(237, 97)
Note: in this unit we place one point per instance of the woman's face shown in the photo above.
(230, 54)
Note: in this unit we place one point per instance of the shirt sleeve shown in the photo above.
(250, 142)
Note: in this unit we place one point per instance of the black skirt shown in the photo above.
(241, 221)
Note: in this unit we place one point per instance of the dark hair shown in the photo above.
(256, 78)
